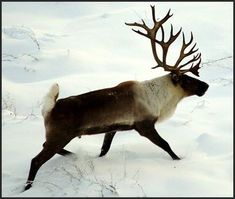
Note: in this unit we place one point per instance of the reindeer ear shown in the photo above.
(175, 78)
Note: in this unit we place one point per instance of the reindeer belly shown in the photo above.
(106, 118)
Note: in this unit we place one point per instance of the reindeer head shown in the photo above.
(192, 86)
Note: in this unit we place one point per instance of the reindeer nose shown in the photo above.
(206, 86)
(202, 89)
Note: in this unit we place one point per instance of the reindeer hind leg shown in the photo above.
(36, 163)
(62, 152)
(48, 151)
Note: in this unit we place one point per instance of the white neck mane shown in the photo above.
(161, 96)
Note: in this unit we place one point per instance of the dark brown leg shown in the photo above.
(49, 150)
(147, 129)
(36, 163)
(107, 143)
(63, 152)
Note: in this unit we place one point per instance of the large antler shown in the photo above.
(151, 34)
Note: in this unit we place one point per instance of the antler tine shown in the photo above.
(183, 48)
(191, 40)
(139, 25)
(163, 34)
(144, 26)
(153, 13)
(185, 45)
(141, 33)
(168, 15)
(191, 51)
(193, 69)
(173, 37)
(195, 58)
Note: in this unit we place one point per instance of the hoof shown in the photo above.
(176, 158)
(28, 185)
(102, 153)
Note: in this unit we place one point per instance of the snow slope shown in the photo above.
(86, 46)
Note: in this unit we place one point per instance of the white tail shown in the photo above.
(50, 99)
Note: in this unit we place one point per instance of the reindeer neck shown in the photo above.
(162, 96)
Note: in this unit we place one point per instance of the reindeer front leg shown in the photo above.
(146, 129)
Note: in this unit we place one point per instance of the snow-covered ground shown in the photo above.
(86, 46)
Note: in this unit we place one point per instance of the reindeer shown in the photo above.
(129, 105)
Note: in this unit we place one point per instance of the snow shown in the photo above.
(85, 46)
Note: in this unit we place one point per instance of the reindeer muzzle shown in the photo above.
(202, 89)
